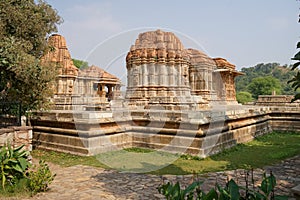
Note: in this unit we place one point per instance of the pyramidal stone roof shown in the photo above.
(60, 54)
(96, 72)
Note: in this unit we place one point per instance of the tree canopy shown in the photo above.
(24, 28)
(264, 86)
(80, 64)
(281, 73)
(244, 97)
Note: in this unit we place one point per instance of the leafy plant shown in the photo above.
(40, 178)
(230, 192)
(174, 192)
(13, 164)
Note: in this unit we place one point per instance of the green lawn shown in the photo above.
(265, 150)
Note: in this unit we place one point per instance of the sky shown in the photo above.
(246, 33)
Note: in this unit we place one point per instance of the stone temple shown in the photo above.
(162, 72)
(77, 88)
(177, 100)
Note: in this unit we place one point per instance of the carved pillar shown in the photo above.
(179, 75)
(151, 74)
(145, 75)
(135, 82)
(129, 76)
(192, 80)
(171, 75)
(103, 92)
(140, 73)
(60, 86)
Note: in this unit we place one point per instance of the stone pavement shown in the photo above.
(89, 183)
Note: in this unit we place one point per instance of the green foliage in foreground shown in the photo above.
(296, 79)
(262, 151)
(231, 191)
(40, 178)
(17, 177)
(13, 164)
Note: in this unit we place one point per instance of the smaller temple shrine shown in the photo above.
(88, 88)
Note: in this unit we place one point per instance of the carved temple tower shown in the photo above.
(157, 71)
(161, 72)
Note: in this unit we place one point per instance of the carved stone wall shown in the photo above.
(17, 136)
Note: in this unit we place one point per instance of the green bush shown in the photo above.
(15, 175)
(40, 178)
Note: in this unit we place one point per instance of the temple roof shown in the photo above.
(223, 63)
(196, 56)
(98, 73)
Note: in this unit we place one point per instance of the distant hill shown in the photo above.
(275, 70)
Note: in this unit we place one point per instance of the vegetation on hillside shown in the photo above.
(262, 79)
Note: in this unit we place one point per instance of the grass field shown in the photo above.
(265, 150)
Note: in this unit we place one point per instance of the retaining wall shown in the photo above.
(16, 136)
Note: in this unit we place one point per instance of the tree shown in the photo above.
(80, 64)
(264, 86)
(296, 79)
(24, 28)
(244, 97)
(282, 73)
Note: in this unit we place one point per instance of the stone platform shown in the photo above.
(199, 133)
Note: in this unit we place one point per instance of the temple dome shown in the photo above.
(157, 40)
